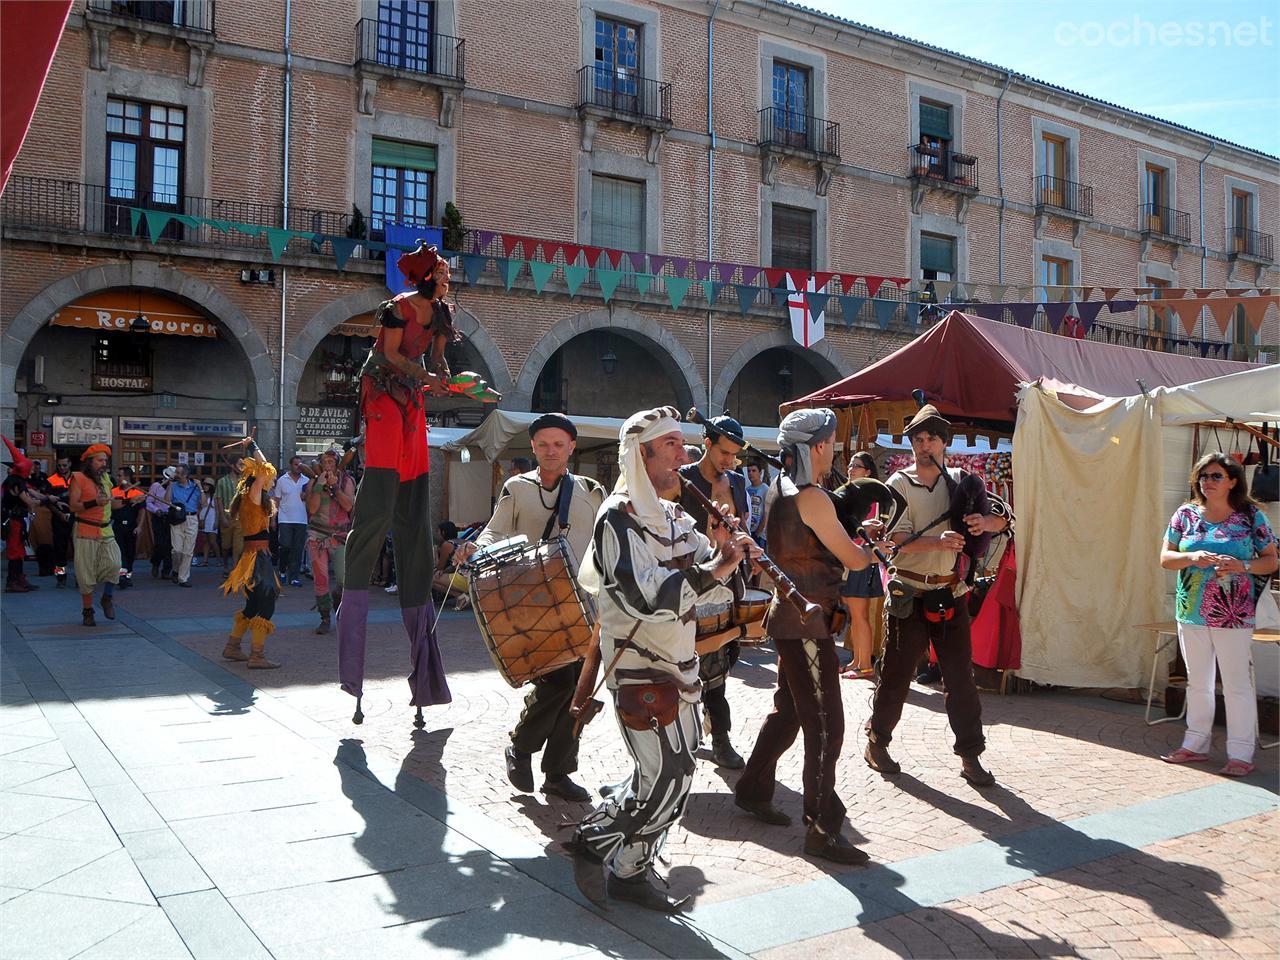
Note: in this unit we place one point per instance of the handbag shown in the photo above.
(1265, 486)
(177, 514)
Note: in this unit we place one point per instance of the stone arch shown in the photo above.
(362, 301)
(133, 273)
(822, 355)
(676, 361)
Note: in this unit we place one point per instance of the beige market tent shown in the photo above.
(1095, 489)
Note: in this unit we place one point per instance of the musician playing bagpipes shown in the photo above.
(808, 543)
(925, 590)
(649, 567)
(394, 491)
(541, 504)
(716, 475)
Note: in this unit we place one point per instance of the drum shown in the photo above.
(532, 615)
(718, 618)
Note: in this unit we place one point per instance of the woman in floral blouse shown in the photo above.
(1218, 541)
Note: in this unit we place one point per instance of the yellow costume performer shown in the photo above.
(253, 574)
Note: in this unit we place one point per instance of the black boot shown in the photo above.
(640, 891)
(973, 771)
(833, 847)
(86, 617)
(723, 754)
(519, 769)
(323, 626)
(108, 607)
(564, 787)
(878, 759)
(763, 811)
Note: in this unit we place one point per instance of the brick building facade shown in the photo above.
(835, 148)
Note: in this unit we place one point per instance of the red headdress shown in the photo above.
(21, 465)
(423, 263)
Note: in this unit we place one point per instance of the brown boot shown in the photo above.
(233, 650)
(259, 629)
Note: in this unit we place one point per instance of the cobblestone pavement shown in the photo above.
(1089, 846)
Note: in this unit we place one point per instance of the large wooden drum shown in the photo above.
(533, 616)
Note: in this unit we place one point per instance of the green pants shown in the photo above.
(545, 719)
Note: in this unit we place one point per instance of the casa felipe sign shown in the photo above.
(75, 431)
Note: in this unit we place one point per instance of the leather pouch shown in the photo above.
(648, 706)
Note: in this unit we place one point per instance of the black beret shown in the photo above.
(557, 420)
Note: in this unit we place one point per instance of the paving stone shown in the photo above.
(65, 784)
(85, 823)
(126, 808)
(210, 928)
(151, 936)
(31, 862)
(39, 924)
(18, 811)
(165, 863)
(113, 877)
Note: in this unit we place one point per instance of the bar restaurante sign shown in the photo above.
(115, 310)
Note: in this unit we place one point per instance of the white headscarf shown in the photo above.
(800, 430)
(634, 482)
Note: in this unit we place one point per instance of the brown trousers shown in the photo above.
(808, 700)
(906, 643)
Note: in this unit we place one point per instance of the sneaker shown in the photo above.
(295, 583)
(195, 562)
(393, 589)
(184, 583)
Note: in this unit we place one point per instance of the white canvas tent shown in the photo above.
(1095, 489)
(474, 473)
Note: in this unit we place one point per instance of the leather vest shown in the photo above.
(814, 569)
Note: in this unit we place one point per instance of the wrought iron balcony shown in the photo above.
(395, 47)
(625, 94)
(1164, 222)
(1251, 243)
(785, 129)
(939, 167)
(196, 15)
(1064, 195)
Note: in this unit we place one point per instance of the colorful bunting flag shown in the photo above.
(850, 307)
(677, 287)
(746, 296)
(541, 273)
(472, 267)
(885, 309)
(574, 275)
(510, 270)
(608, 280)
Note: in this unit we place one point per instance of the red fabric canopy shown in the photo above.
(29, 33)
(971, 367)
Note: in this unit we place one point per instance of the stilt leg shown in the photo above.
(358, 717)
(418, 722)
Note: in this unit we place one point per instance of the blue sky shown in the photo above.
(1212, 65)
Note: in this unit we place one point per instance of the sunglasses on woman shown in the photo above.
(1215, 477)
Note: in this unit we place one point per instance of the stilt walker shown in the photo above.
(253, 575)
(394, 492)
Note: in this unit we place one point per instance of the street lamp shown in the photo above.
(784, 378)
(609, 360)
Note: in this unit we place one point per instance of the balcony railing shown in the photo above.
(938, 165)
(191, 14)
(397, 47)
(1251, 243)
(1164, 221)
(1064, 195)
(62, 205)
(624, 93)
(799, 131)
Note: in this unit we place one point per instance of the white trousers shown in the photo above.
(1232, 649)
(183, 539)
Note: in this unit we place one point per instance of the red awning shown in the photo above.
(29, 33)
(971, 367)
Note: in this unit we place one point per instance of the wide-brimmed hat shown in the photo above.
(928, 418)
(170, 472)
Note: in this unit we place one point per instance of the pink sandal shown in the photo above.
(1183, 755)
(1237, 768)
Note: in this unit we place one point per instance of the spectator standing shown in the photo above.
(230, 533)
(184, 492)
(209, 538)
(757, 488)
(291, 513)
(158, 513)
(127, 513)
(329, 501)
(59, 488)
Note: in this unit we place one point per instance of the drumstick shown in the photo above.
(786, 588)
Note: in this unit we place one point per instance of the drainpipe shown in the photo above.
(711, 183)
(1204, 250)
(284, 220)
(1008, 78)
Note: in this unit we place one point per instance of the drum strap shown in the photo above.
(561, 511)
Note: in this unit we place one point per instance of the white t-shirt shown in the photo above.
(290, 493)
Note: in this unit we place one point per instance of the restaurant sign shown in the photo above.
(178, 427)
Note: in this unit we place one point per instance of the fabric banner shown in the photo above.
(808, 326)
(406, 238)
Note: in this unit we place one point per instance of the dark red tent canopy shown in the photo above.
(971, 367)
(29, 32)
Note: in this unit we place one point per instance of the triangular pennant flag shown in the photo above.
(711, 289)
(541, 272)
(997, 291)
(1088, 311)
(885, 309)
(509, 242)
(1109, 293)
(1023, 313)
(472, 266)
(1142, 292)
(943, 289)
(484, 238)
(1255, 308)
(608, 280)
(680, 265)
(749, 274)
(701, 269)
(1222, 309)
(277, 240)
(547, 250)
(574, 274)
(1173, 293)
(989, 311)
(847, 280)
(194, 222)
(746, 296)
(821, 279)
(799, 279)
(656, 263)
(570, 252)
(637, 261)
(510, 270)
(1204, 348)
(614, 257)
(157, 220)
(135, 215)
(1121, 306)
(1205, 291)
(818, 302)
(343, 247)
(593, 255)
(725, 271)
(961, 292)
(643, 281)
(779, 295)
(850, 307)
(1185, 315)
(677, 287)
(773, 276)
(1055, 312)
